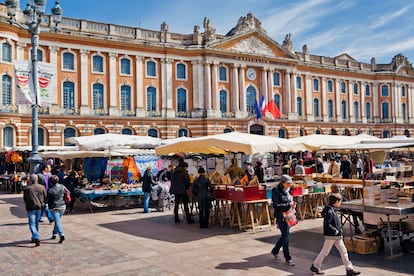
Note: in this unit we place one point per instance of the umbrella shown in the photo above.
(110, 140)
(224, 143)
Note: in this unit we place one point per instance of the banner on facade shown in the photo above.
(46, 76)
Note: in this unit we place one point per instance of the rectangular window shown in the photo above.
(276, 79)
(298, 83)
(7, 55)
(125, 66)
(222, 73)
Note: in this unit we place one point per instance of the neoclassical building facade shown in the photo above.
(121, 79)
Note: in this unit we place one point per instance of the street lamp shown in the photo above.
(33, 19)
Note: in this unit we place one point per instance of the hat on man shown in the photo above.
(201, 170)
(285, 179)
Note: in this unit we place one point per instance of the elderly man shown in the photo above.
(34, 197)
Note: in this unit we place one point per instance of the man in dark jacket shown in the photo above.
(345, 167)
(180, 182)
(148, 180)
(34, 197)
(282, 202)
(332, 230)
(202, 190)
(72, 184)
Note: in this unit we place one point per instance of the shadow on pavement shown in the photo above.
(23, 243)
(18, 207)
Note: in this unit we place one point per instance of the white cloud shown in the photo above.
(387, 18)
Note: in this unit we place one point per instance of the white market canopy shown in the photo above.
(118, 152)
(224, 143)
(108, 141)
(41, 148)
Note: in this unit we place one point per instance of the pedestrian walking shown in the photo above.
(34, 197)
(57, 205)
(282, 202)
(332, 230)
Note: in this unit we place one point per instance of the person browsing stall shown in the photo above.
(180, 183)
(234, 170)
(282, 202)
(333, 168)
(202, 189)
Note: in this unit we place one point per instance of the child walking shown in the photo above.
(332, 230)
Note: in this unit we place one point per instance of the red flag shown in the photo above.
(272, 108)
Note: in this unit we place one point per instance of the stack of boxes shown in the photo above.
(372, 194)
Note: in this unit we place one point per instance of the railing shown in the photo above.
(71, 111)
(153, 113)
(183, 114)
(332, 119)
(386, 121)
(128, 113)
(100, 112)
(370, 120)
(228, 114)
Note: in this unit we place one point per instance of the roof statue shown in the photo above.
(245, 24)
(287, 43)
(399, 60)
(209, 31)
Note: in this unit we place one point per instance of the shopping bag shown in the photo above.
(290, 217)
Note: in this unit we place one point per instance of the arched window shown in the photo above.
(68, 61)
(98, 131)
(250, 98)
(8, 137)
(299, 106)
(384, 91)
(276, 98)
(151, 98)
(330, 109)
(367, 90)
(41, 136)
(333, 132)
(316, 107)
(67, 133)
(276, 79)
(318, 131)
(181, 70)
(151, 68)
(125, 66)
(282, 133)
(97, 64)
(222, 73)
(343, 87)
(347, 132)
(125, 98)
(356, 110)
(127, 131)
(227, 130)
(368, 110)
(6, 52)
(315, 85)
(344, 115)
(223, 101)
(298, 82)
(355, 88)
(6, 90)
(407, 133)
(98, 96)
(68, 95)
(386, 134)
(404, 111)
(181, 100)
(302, 132)
(152, 132)
(385, 107)
(182, 132)
(330, 86)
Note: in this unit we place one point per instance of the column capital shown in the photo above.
(84, 52)
(167, 60)
(53, 49)
(215, 63)
(112, 55)
(196, 62)
(21, 45)
(139, 58)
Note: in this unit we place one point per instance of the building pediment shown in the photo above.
(253, 43)
(345, 57)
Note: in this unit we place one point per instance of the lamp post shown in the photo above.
(33, 19)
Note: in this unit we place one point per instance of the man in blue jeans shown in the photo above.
(34, 197)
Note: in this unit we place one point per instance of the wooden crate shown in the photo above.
(362, 245)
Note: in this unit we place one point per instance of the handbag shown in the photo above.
(290, 217)
(66, 195)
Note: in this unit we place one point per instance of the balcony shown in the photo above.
(318, 119)
(183, 114)
(8, 108)
(70, 111)
(43, 110)
(228, 114)
(100, 112)
(128, 113)
(386, 121)
(333, 119)
(153, 113)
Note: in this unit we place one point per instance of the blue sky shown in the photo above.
(360, 28)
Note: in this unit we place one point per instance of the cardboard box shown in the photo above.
(361, 245)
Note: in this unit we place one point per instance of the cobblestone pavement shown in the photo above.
(129, 242)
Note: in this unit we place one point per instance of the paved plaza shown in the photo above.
(129, 242)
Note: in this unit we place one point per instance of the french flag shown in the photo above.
(263, 106)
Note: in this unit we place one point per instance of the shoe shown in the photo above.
(33, 241)
(177, 220)
(290, 262)
(315, 270)
(53, 237)
(352, 273)
(190, 221)
(62, 238)
(37, 243)
(275, 255)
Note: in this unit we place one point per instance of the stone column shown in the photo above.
(235, 89)
(396, 88)
(308, 98)
(207, 87)
(85, 94)
(294, 96)
(362, 108)
(139, 88)
(338, 108)
(54, 108)
(410, 107)
(242, 93)
(375, 103)
(20, 50)
(198, 89)
(167, 90)
(351, 117)
(114, 109)
(214, 91)
(324, 100)
(270, 93)
(263, 84)
(288, 95)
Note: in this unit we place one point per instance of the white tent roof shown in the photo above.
(105, 153)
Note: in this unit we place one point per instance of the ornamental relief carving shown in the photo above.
(253, 45)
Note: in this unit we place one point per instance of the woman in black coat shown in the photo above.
(202, 189)
(148, 180)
